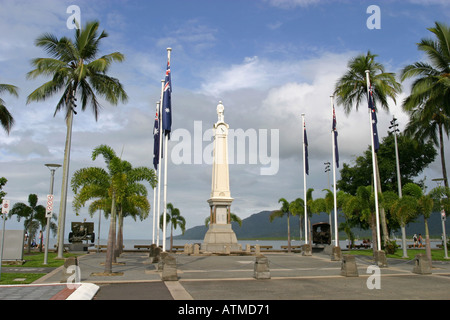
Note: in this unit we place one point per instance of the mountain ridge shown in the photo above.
(258, 226)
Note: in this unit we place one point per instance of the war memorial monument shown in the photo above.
(220, 237)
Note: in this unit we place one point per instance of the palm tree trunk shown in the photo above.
(171, 236)
(119, 242)
(427, 242)
(289, 233)
(374, 232)
(111, 237)
(441, 142)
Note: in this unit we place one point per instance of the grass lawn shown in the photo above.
(436, 254)
(33, 260)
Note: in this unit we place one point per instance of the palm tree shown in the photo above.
(31, 214)
(6, 119)
(283, 211)
(297, 208)
(428, 104)
(404, 209)
(351, 89)
(113, 187)
(176, 219)
(76, 70)
(425, 206)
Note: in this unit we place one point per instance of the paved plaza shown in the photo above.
(215, 277)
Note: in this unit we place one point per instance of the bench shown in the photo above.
(261, 247)
(411, 246)
(142, 246)
(359, 246)
(292, 247)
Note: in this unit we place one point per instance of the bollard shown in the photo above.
(336, 254)
(155, 253)
(348, 266)
(169, 268)
(380, 258)
(422, 264)
(306, 250)
(70, 270)
(196, 249)
(261, 268)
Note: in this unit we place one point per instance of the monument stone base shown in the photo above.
(220, 238)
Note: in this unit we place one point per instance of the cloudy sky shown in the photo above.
(269, 61)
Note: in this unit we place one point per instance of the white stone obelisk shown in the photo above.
(220, 237)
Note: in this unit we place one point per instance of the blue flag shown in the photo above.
(305, 141)
(167, 103)
(156, 133)
(336, 150)
(376, 142)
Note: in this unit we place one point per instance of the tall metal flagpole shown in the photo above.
(336, 238)
(304, 180)
(154, 189)
(165, 174)
(159, 163)
(377, 216)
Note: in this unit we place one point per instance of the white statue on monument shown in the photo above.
(220, 235)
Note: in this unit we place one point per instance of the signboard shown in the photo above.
(5, 206)
(443, 217)
(49, 210)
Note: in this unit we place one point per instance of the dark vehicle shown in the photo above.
(321, 233)
(82, 231)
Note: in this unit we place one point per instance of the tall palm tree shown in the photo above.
(6, 119)
(428, 104)
(30, 212)
(351, 90)
(175, 219)
(77, 71)
(283, 211)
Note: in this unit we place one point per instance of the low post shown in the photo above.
(380, 258)
(422, 264)
(348, 266)
(261, 268)
(336, 254)
(169, 268)
(70, 270)
(306, 250)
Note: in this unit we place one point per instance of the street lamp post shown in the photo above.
(394, 127)
(52, 168)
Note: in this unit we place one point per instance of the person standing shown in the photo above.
(415, 240)
(420, 241)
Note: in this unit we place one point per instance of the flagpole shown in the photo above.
(304, 181)
(165, 174)
(159, 163)
(336, 238)
(154, 189)
(377, 216)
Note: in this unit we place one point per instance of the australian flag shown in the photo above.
(376, 142)
(167, 103)
(305, 141)
(156, 133)
(336, 150)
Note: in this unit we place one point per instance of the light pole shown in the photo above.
(52, 167)
(394, 127)
(443, 218)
